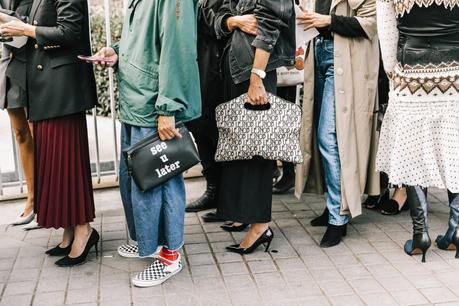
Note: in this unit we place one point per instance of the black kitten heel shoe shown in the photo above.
(68, 261)
(58, 251)
(264, 239)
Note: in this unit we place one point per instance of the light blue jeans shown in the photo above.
(328, 142)
(155, 217)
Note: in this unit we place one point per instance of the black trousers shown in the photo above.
(287, 93)
(204, 129)
(246, 185)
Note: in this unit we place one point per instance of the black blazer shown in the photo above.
(15, 72)
(58, 83)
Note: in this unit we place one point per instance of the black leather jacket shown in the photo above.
(208, 10)
(276, 34)
(209, 54)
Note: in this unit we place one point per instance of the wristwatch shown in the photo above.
(259, 72)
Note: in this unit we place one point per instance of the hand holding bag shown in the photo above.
(152, 161)
(273, 133)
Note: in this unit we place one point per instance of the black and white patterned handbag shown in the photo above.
(272, 133)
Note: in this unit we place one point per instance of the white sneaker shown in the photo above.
(128, 251)
(157, 273)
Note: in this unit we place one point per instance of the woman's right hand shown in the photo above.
(108, 57)
(246, 23)
(257, 93)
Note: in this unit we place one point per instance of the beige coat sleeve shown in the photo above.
(366, 15)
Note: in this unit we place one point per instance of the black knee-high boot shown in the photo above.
(450, 241)
(418, 208)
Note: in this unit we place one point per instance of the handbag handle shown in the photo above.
(246, 105)
(252, 107)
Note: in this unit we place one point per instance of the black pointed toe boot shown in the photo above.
(321, 220)
(333, 235)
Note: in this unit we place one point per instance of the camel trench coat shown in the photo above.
(356, 66)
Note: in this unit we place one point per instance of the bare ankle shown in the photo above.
(259, 228)
(84, 230)
(400, 196)
(27, 211)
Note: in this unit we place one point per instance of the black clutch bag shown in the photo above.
(152, 161)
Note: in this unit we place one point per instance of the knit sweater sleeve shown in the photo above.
(388, 33)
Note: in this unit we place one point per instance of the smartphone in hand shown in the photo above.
(94, 59)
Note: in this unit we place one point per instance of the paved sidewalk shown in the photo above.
(369, 268)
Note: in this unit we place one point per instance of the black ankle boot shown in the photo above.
(333, 235)
(321, 220)
(207, 201)
(418, 209)
(211, 217)
(445, 242)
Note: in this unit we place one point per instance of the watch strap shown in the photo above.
(259, 72)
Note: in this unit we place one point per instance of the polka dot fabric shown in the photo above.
(388, 33)
(419, 141)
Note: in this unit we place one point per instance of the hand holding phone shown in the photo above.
(106, 57)
(96, 59)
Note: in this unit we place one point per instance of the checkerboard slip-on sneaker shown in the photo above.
(157, 273)
(132, 251)
(128, 251)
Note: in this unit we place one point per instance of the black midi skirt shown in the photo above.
(246, 185)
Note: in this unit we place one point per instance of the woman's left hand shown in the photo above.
(16, 28)
(313, 20)
(257, 93)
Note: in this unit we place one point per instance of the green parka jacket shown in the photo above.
(157, 67)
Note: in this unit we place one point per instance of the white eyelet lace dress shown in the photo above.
(419, 140)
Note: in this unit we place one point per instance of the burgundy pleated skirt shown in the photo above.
(63, 184)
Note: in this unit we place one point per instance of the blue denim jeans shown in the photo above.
(328, 142)
(155, 217)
